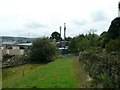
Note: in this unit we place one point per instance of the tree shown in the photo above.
(68, 39)
(73, 45)
(81, 42)
(114, 29)
(113, 45)
(93, 39)
(104, 39)
(84, 44)
(42, 50)
(55, 35)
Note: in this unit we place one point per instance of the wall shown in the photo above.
(13, 51)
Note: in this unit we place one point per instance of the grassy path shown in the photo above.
(61, 73)
(83, 79)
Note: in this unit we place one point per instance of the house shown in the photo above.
(8, 45)
(63, 44)
(13, 48)
(63, 47)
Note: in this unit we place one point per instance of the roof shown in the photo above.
(14, 43)
(10, 43)
(25, 44)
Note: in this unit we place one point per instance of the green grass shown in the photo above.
(60, 73)
(82, 77)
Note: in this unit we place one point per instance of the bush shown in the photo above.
(42, 50)
(113, 45)
(104, 69)
(6, 57)
(15, 60)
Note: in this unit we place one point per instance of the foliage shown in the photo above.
(81, 42)
(101, 55)
(104, 39)
(114, 29)
(42, 50)
(93, 39)
(15, 60)
(113, 45)
(6, 57)
(104, 69)
(56, 36)
(68, 38)
(73, 46)
(75, 43)
(84, 44)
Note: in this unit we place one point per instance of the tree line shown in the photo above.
(108, 40)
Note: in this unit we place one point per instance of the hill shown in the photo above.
(17, 39)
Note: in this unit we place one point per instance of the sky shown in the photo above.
(38, 18)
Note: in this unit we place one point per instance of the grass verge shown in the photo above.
(57, 74)
(64, 72)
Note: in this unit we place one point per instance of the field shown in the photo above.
(64, 72)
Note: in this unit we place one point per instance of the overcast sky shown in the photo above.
(36, 18)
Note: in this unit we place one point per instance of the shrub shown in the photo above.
(16, 60)
(113, 45)
(6, 57)
(42, 50)
(104, 69)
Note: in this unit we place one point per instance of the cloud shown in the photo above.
(42, 17)
(34, 25)
(99, 16)
(12, 25)
(79, 22)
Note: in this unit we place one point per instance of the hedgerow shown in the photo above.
(104, 69)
